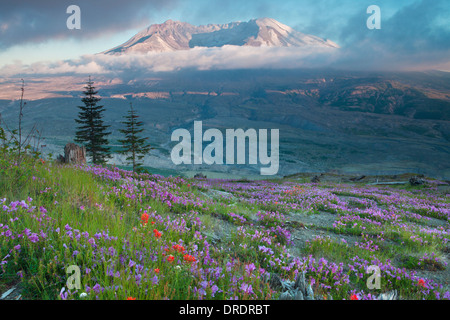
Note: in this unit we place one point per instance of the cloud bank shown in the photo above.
(226, 57)
(416, 37)
(35, 21)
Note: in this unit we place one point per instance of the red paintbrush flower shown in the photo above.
(157, 233)
(421, 283)
(178, 248)
(144, 218)
(189, 258)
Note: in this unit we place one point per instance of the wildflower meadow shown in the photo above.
(144, 236)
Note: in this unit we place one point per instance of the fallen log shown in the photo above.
(357, 178)
(387, 183)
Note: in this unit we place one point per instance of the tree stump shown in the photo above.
(416, 181)
(74, 154)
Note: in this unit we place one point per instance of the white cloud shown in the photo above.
(226, 57)
(47, 68)
(230, 57)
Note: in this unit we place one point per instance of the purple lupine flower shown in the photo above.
(214, 289)
(111, 251)
(246, 288)
(110, 272)
(250, 268)
(63, 294)
(96, 288)
(33, 238)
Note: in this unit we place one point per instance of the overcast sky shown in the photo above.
(414, 32)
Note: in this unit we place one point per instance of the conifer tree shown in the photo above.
(133, 144)
(92, 132)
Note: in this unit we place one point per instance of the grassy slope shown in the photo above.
(91, 217)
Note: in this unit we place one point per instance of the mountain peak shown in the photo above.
(271, 22)
(175, 35)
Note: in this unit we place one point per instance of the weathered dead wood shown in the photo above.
(73, 154)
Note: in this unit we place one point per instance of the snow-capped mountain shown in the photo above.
(175, 35)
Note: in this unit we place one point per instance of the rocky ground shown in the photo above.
(11, 292)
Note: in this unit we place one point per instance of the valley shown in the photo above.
(349, 122)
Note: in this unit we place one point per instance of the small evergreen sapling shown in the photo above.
(133, 144)
(92, 132)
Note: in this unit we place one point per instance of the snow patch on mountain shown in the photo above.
(174, 35)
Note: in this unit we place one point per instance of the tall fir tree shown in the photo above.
(133, 144)
(92, 132)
